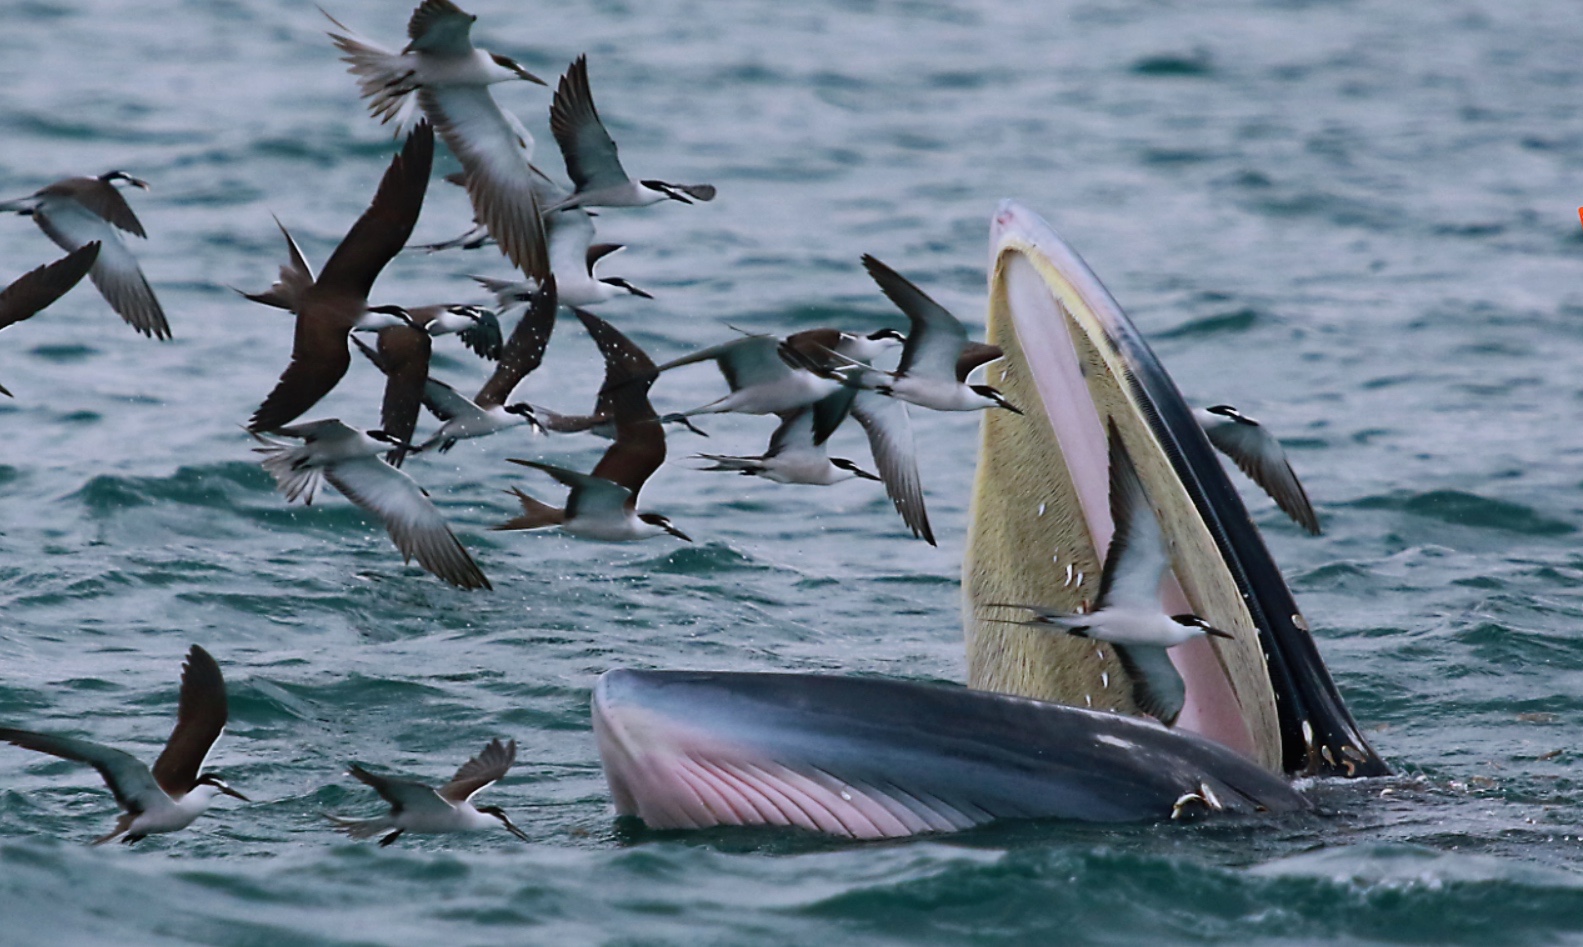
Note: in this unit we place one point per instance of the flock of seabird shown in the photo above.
(811, 380)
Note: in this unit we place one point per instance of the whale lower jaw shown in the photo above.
(866, 758)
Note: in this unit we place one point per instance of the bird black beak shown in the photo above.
(1218, 633)
(1011, 407)
(865, 475)
(531, 77)
(511, 826)
(678, 533)
(231, 792)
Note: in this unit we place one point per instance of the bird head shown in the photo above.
(511, 66)
(219, 785)
(525, 411)
(111, 177)
(889, 336)
(500, 814)
(1202, 627)
(843, 464)
(655, 519)
(995, 396)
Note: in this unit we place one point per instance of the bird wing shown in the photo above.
(1136, 559)
(589, 493)
(319, 358)
(404, 795)
(115, 271)
(795, 433)
(200, 718)
(445, 402)
(973, 355)
(1157, 687)
(889, 431)
(590, 152)
(478, 772)
(101, 198)
(1259, 455)
(483, 337)
(39, 287)
(524, 351)
(743, 362)
(415, 526)
(440, 26)
(936, 339)
(386, 225)
(404, 356)
(295, 277)
(500, 182)
(129, 780)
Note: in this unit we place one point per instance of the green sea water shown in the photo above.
(1354, 220)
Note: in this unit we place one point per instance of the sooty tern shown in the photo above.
(590, 153)
(421, 809)
(36, 289)
(174, 793)
(349, 460)
(75, 212)
(603, 504)
(1128, 614)
(938, 357)
(330, 307)
(1256, 451)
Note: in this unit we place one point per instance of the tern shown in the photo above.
(476, 326)
(349, 459)
(1259, 455)
(451, 79)
(766, 376)
(36, 289)
(488, 412)
(421, 809)
(1128, 614)
(573, 256)
(441, 53)
(75, 212)
(603, 504)
(938, 356)
(590, 153)
(795, 455)
(175, 792)
(329, 307)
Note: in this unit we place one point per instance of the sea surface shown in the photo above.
(1354, 220)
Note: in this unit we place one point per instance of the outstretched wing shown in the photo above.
(404, 795)
(478, 772)
(126, 776)
(200, 719)
(39, 287)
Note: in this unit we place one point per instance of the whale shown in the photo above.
(1044, 727)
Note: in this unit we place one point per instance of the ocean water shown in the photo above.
(1354, 220)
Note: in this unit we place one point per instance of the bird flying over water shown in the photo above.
(349, 459)
(330, 306)
(1259, 455)
(422, 809)
(176, 791)
(590, 153)
(75, 212)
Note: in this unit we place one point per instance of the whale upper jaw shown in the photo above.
(1071, 351)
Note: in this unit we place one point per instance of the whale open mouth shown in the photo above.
(1048, 729)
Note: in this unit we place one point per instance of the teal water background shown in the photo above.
(1354, 220)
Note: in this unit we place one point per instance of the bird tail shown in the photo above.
(22, 205)
(746, 465)
(383, 77)
(361, 828)
(507, 293)
(535, 514)
(288, 464)
(122, 824)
